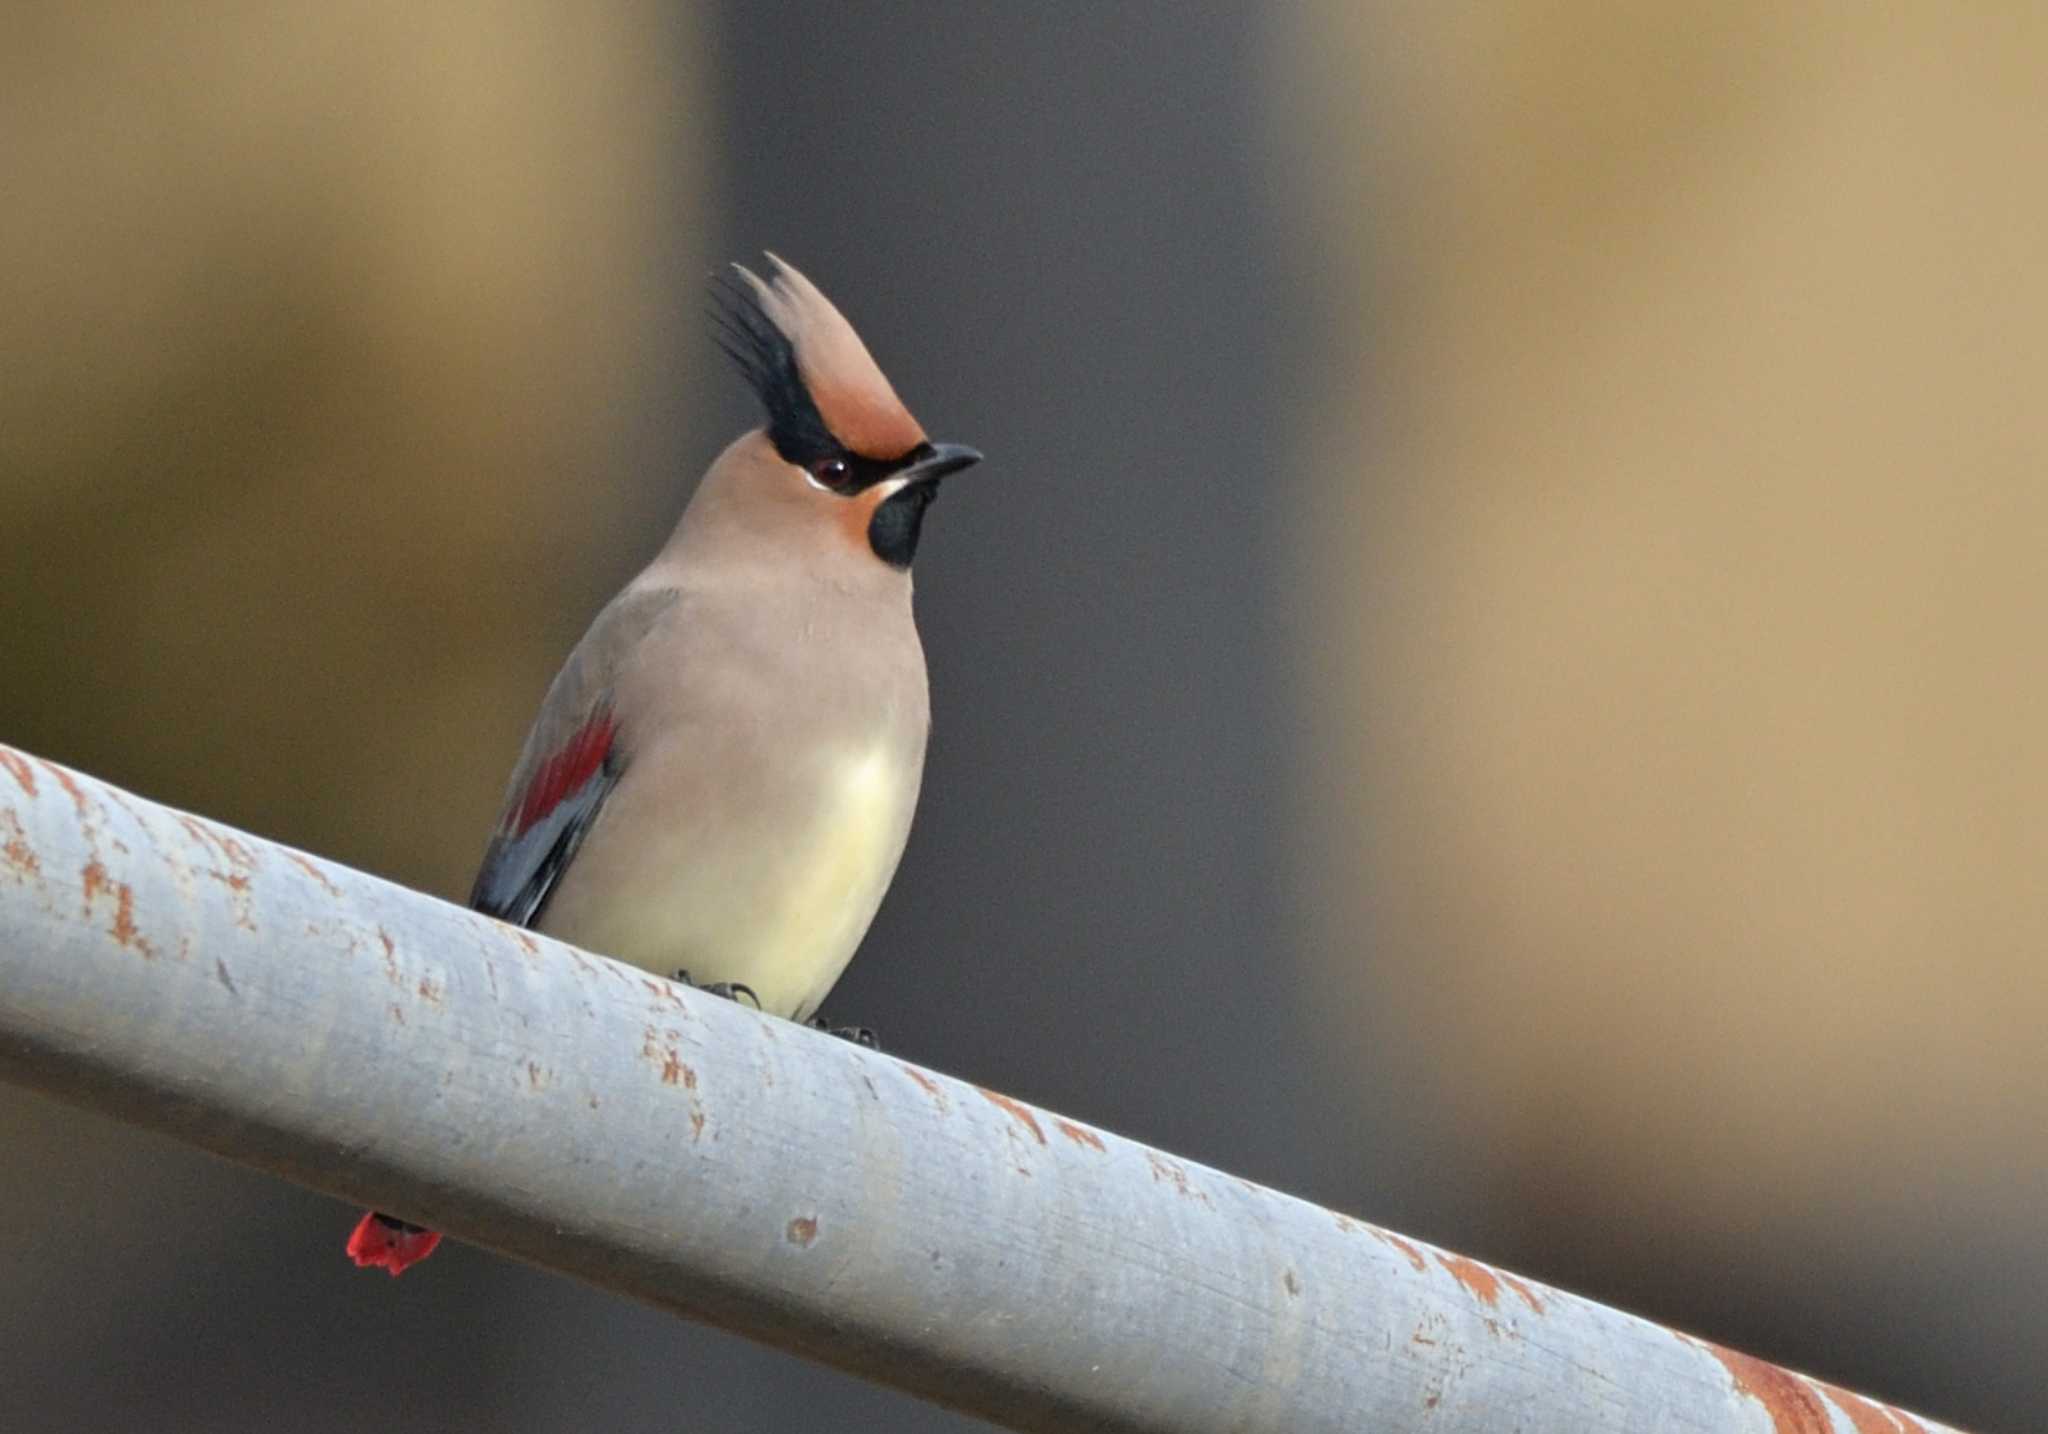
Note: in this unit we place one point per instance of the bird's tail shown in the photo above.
(387, 1242)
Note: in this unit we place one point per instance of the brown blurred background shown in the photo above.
(1489, 680)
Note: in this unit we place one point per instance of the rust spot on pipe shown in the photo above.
(1173, 1173)
(662, 992)
(20, 855)
(1475, 1277)
(429, 992)
(1345, 1223)
(925, 1083)
(312, 869)
(1868, 1418)
(231, 849)
(659, 1049)
(1390, 1239)
(1395, 1242)
(1521, 1288)
(95, 881)
(802, 1230)
(689, 1078)
(220, 974)
(124, 921)
(17, 767)
(696, 1126)
(1079, 1134)
(397, 1014)
(536, 1078)
(71, 789)
(238, 895)
(1017, 1111)
(1794, 1405)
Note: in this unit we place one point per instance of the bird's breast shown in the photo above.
(770, 880)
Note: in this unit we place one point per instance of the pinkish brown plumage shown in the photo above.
(722, 776)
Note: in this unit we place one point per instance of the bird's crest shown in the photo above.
(822, 389)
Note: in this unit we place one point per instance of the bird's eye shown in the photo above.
(828, 472)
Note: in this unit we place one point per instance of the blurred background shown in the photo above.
(1491, 679)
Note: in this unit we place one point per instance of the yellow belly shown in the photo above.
(793, 944)
(776, 905)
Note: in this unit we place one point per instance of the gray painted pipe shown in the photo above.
(396, 1051)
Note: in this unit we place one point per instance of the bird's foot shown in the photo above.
(730, 990)
(859, 1035)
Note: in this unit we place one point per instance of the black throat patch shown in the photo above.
(899, 520)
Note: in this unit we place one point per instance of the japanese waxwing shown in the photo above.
(721, 779)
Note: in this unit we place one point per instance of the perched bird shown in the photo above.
(721, 779)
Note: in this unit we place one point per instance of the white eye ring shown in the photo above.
(812, 479)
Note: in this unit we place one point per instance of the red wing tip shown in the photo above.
(379, 1243)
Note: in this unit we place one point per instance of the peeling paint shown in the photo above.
(1172, 1172)
(1867, 1418)
(71, 788)
(1017, 1111)
(929, 1086)
(95, 881)
(17, 766)
(1483, 1284)
(238, 895)
(312, 869)
(1389, 1238)
(1079, 1134)
(1794, 1406)
(20, 855)
(1521, 1288)
(124, 921)
(660, 1050)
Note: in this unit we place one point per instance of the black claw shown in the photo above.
(859, 1035)
(729, 990)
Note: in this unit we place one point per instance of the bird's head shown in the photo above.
(839, 444)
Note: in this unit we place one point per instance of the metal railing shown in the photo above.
(397, 1051)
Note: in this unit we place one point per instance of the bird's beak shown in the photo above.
(939, 460)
